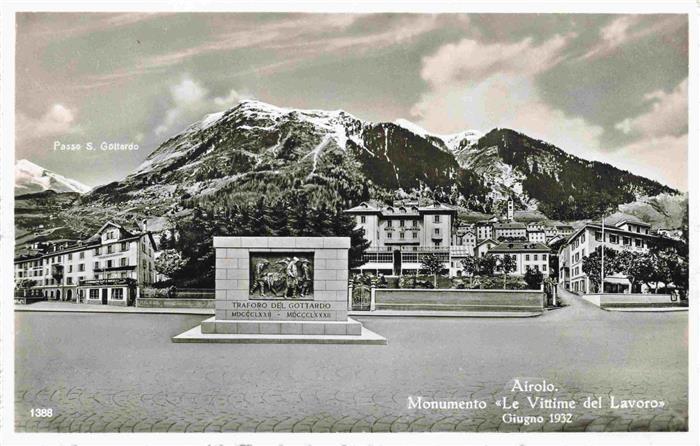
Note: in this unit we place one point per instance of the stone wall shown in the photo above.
(459, 300)
(147, 302)
(630, 300)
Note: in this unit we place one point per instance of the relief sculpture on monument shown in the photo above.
(281, 276)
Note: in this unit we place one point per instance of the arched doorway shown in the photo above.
(58, 294)
(69, 295)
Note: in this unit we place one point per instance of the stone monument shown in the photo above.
(281, 289)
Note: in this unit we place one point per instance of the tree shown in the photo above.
(169, 262)
(486, 265)
(507, 265)
(554, 257)
(590, 265)
(533, 278)
(433, 264)
(470, 266)
(640, 267)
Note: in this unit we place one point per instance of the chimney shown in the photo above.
(144, 225)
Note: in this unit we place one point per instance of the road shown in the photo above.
(121, 373)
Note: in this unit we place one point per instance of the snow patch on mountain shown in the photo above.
(31, 178)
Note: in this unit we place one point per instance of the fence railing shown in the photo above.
(178, 293)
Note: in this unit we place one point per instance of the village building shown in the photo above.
(401, 235)
(109, 268)
(629, 234)
(526, 255)
(511, 230)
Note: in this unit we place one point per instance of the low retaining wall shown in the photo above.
(613, 300)
(147, 302)
(459, 300)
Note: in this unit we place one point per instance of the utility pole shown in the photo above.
(602, 253)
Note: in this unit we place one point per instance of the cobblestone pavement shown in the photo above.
(121, 373)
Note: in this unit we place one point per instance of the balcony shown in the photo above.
(102, 282)
(115, 268)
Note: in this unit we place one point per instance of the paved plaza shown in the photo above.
(121, 373)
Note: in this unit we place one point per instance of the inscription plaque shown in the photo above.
(281, 275)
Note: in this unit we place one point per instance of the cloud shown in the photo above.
(483, 86)
(229, 100)
(668, 114)
(58, 120)
(471, 60)
(630, 28)
(664, 159)
(190, 101)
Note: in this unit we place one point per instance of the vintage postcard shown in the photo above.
(351, 224)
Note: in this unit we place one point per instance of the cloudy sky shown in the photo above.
(606, 87)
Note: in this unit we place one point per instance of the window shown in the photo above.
(123, 275)
(122, 261)
(401, 223)
(94, 293)
(626, 241)
(388, 224)
(363, 219)
(97, 251)
(415, 223)
(109, 263)
(598, 236)
(437, 231)
(81, 267)
(544, 267)
(70, 256)
(400, 234)
(69, 281)
(96, 265)
(415, 235)
(110, 249)
(70, 268)
(437, 219)
(614, 238)
(583, 237)
(637, 243)
(388, 235)
(534, 257)
(527, 257)
(125, 246)
(82, 255)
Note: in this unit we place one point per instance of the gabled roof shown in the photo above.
(364, 207)
(486, 240)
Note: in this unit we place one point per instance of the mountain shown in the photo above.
(544, 177)
(258, 150)
(664, 211)
(31, 178)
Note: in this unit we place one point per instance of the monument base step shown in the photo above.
(202, 333)
(348, 327)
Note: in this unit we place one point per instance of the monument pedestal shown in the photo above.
(281, 290)
(281, 332)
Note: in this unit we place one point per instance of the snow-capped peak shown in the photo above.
(30, 178)
(412, 127)
(452, 141)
